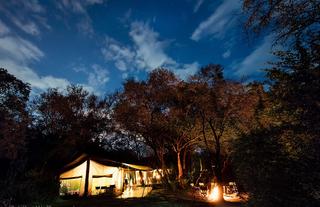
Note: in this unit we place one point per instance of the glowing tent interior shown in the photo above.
(89, 175)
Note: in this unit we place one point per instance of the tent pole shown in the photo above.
(86, 184)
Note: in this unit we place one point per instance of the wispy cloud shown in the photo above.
(4, 29)
(226, 54)
(26, 15)
(122, 55)
(97, 77)
(150, 52)
(17, 56)
(79, 7)
(27, 74)
(256, 61)
(218, 22)
(85, 26)
(146, 53)
(28, 27)
(19, 50)
(197, 5)
(186, 70)
(32, 5)
(125, 19)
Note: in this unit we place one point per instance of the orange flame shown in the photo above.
(214, 195)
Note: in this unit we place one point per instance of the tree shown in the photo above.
(143, 110)
(274, 169)
(158, 112)
(290, 140)
(287, 19)
(14, 120)
(68, 123)
(295, 85)
(14, 95)
(181, 122)
(224, 108)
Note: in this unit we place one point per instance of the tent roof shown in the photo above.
(82, 158)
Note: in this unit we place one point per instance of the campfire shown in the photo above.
(214, 194)
(229, 192)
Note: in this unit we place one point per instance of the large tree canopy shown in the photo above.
(144, 108)
(70, 122)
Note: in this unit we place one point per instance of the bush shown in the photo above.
(277, 171)
(33, 187)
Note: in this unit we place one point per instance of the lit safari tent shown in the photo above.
(90, 175)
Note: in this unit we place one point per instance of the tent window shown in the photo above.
(101, 184)
(70, 186)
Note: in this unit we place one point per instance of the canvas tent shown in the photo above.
(89, 175)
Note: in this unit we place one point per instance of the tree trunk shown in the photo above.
(180, 171)
(184, 160)
(161, 164)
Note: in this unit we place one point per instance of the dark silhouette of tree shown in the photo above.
(70, 122)
(14, 120)
(287, 19)
(278, 163)
(296, 84)
(14, 95)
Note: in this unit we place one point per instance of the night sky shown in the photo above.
(98, 44)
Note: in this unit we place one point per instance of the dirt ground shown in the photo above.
(157, 198)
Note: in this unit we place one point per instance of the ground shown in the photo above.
(157, 198)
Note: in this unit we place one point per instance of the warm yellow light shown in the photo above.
(136, 192)
(215, 194)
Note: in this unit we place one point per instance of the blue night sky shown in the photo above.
(98, 44)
